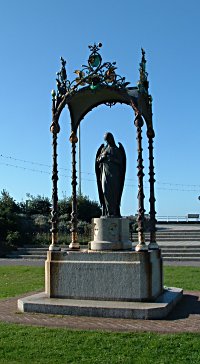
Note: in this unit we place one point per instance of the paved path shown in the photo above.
(29, 262)
(184, 318)
(40, 263)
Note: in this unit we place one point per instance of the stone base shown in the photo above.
(41, 303)
(110, 233)
(105, 275)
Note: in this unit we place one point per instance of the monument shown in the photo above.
(110, 170)
(111, 278)
(111, 231)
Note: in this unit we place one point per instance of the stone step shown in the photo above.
(164, 235)
(182, 259)
(185, 245)
(24, 256)
(181, 254)
(169, 252)
(171, 238)
(33, 247)
(197, 232)
(176, 242)
(31, 251)
(182, 247)
(173, 242)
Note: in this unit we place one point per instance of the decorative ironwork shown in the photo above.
(94, 74)
(74, 243)
(141, 237)
(110, 103)
(55, 129)
(143, 87)
(152, 212)
(143, 83)
(61, 79)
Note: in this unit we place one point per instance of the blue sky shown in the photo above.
(33, 36)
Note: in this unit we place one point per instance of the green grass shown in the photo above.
(22, 344)
(15, 280)
(187, 278)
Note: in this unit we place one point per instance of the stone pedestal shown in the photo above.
(116, 276)
(110, 279)
(124, 284)
(110, 234)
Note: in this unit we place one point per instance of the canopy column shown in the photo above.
(152, 212)
(74, 242)
(55, 128)
(141, 236)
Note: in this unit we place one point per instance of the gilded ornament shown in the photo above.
(73, 138)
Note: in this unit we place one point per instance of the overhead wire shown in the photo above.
(195, 187)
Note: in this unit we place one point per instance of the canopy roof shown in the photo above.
(98, 83)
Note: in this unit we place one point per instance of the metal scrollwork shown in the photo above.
(93, 75)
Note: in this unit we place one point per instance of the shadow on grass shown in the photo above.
(189, 305)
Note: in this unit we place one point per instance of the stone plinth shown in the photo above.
(41, 303)
(110, 234)
(125, 284)
(110, 276)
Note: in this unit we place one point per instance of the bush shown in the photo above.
(13, 239)
(41, 239)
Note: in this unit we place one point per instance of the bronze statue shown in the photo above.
(110, 170)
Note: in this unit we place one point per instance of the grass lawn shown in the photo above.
(24, 344)
(187, 278)
(15, 280)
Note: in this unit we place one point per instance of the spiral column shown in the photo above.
(55, 128)
(74, 242)
(152, 212)
(141, 246)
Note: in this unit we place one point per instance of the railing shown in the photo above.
(178, 218)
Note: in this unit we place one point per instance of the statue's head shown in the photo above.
(109, 138)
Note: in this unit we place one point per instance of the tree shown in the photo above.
(8, 214)
(87, 209)
(8, 204)
(10, 221)
(41, 223)
(65, 207)
(20, 221)
(38, 205)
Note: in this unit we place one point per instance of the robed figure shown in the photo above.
(110, 170)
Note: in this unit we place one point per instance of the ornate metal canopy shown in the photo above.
(98, 83)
